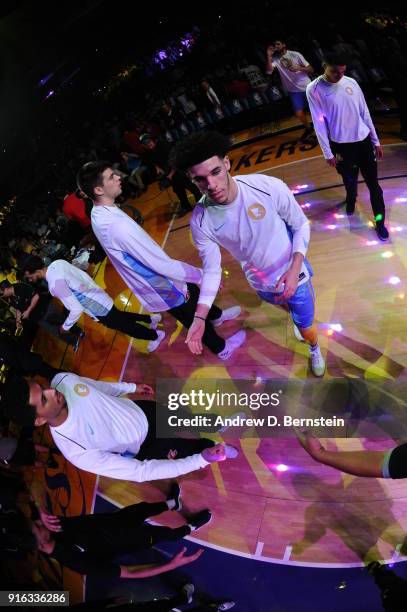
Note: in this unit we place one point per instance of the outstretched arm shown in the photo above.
(358, 463)
(146, 571)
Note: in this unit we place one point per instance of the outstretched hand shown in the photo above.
(181, 558)
(194, 336)
(51, 521)
(144, 389)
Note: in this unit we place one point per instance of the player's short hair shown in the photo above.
(197, 148)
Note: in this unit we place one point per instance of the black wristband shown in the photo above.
(197, 317)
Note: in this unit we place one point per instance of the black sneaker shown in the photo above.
(175, 494)
(350, 209)
(382, 232)
(306, 135)
(200, 519)
(52, 464)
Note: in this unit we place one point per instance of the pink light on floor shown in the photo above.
(306, 205)
(331, 226)
(339, 216)
(394, 280)
(281, 467)
(400, 199)
(371, 242)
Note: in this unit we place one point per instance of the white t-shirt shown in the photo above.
(292, 81)
(158, 281)
(77, 291)
(254, 229)
(101, 426)
(339, 113)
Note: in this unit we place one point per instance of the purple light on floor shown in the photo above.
(371, 242)
(336, 327)
(339, 216)
(394, 280)
(49, 94)
(331, 227)
(401, 199)
(281, 467)
(306, 205)
(301, 186)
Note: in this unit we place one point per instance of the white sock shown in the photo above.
(170, 503)
(192, 528)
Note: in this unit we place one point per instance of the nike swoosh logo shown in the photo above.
(218, 228)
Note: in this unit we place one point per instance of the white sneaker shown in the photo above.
(154, 344)
(232, 344)
(189, 590)
(297, 334)
(155, 320)
(317, 361)
(227, 315)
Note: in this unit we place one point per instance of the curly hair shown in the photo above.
(197, 148)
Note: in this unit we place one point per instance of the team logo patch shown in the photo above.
(349, 90)
(257, 212)
(81, 389)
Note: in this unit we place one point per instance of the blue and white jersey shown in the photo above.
(77, 291)
(158, 281)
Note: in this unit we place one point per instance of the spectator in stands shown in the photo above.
(213, 100)
(157, 153)
(20, 360)
(294, 71)
(76, 207)
(254, 75)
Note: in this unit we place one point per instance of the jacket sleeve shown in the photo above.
(292, 213)
(318, 119)
(365, 114)
(61, 290)
(116, 389)
(114, 465)
(151, 256)
(211, 258)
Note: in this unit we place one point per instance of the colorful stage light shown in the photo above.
(331, 227)
(394, 280)
(339, 216)
(281, 467)
(401, 199)
(336, 327)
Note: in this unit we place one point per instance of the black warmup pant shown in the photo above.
(185, 314)
(181, 184)
(160, 448)
(355, 156)
(151, 534)
(127, 322)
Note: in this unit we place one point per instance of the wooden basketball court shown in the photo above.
(309, 514)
